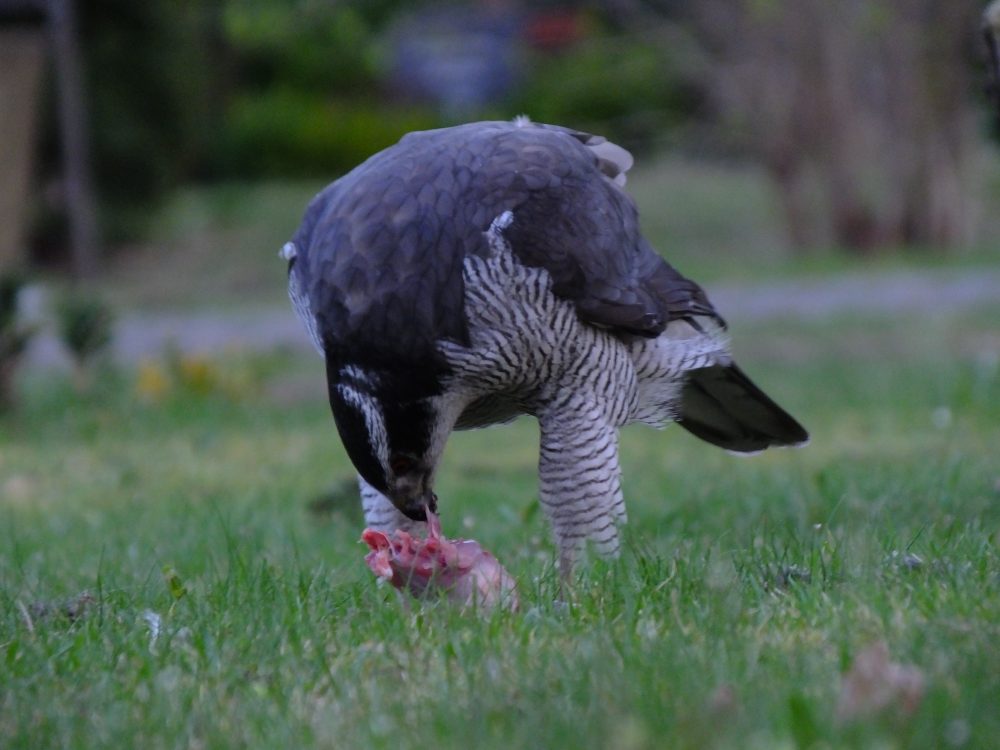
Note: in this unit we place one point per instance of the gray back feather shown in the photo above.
(380, 251)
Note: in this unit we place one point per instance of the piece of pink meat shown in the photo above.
(460, 568)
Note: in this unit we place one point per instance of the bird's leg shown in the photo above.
(382, 515)
(580, 481)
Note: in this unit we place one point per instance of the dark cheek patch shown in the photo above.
(354, 434)
(403, 400)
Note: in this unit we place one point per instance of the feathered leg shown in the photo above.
(580, 480)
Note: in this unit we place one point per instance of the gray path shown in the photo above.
(141, 336)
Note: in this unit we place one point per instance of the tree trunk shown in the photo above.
(81, 205)
(22, 57)
(870, 100)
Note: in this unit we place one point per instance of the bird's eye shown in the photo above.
(401, 464)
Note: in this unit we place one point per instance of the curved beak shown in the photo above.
(416, 508)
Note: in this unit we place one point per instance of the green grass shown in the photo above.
(747, 587)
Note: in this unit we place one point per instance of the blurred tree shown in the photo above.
(22, 58)
(77, 184)
(307, 97)
(194, 89)
(152, 75)
(859, 111)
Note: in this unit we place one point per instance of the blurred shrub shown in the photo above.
(15, 335)
(307, 90)
(629, 88)
(85, 327)
(287, 132)
(312, 46)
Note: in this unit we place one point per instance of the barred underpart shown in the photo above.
(531, 354)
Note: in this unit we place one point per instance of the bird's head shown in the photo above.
(409, 485)
(393, 438)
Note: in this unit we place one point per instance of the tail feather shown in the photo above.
(722, 406)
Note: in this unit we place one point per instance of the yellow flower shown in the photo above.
(151, 382)
(198, 374)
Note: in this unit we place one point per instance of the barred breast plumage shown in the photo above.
(470, 275)
(531, 354)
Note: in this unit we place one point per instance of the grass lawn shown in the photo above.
(747, 590)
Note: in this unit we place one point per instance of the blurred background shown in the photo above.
(154, 156)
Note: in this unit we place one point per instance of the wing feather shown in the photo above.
(421, 206)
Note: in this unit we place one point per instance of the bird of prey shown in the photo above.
(472, 274)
